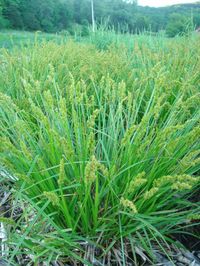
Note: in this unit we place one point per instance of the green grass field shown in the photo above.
(101, 137)
(102, 39)
(11, 38)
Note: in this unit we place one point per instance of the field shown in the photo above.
(11, 38)
(99, 148)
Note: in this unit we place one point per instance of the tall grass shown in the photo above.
(104, 148)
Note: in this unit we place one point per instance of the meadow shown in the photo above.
(100, 143)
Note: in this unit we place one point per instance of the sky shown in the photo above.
(157, 3)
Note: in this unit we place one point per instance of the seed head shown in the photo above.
(149, 194)
(52, 197)
(129, 205)
(61, 178)
(137, 182)
(49, 99)
(91, 121)
(91, 169)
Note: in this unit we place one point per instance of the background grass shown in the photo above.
(101, 39)
(11, 38)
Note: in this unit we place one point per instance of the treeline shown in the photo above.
(72, 15)
(44, 15)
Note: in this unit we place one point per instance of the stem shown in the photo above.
(92, 10)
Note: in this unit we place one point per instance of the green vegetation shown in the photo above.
(103, 145)
(72, 16)
(101, 39)
(10, 38)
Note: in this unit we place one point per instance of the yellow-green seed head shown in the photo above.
(127, 204)
(137, 182)
(149, 194)
(91, 170)
(52, 197)
(61, 178)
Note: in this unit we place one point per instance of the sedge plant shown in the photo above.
(103, 147)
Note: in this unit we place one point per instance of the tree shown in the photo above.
(63, 15)
(29, 9)
(12, 13)
(124, 15)
(141, 23)
(3, 22)
(177, 25)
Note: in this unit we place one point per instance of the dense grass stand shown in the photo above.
(102, 140)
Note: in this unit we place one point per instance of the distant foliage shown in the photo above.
(177, 25)
(125, 16)
(45, 15)
(3, 21)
